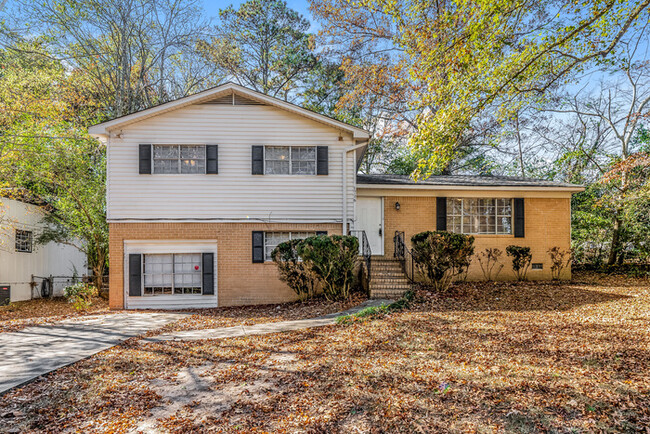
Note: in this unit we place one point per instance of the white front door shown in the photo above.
(370, 218)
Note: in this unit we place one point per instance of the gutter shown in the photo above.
(344, 161)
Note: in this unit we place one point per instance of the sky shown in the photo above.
(212, 6)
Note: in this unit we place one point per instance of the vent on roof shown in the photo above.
(233, 99)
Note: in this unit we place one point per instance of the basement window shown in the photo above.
(537, 266)
(172, 274)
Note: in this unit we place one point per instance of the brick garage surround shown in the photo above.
(240, 281)
(547, 224)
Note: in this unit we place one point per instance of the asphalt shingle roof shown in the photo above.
(463, 180)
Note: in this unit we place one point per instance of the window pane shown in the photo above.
(23, 241)
(189, 151)
(303, 168)
(271, 240)
(303, 153)
(276, 167)
(192, 166)
(276, 152)
(165, 151)
(165, 166)
(479, 216)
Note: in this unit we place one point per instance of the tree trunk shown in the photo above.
(614, 248)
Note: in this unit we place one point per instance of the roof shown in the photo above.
(102, 130)
(452, 181)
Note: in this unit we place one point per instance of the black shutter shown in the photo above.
(318, 233)
(145, 159)
(441, 213)
(258, 160)
(211, 159)
(258, 247)
(322, 156)
(520, 220)
(135, 273)
(208, 273)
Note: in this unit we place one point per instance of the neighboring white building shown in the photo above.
(21, 258)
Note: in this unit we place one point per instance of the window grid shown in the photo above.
(184, 159)
(290, 160)
(272, 239)
(172, 274)
(23, 241)
(480, 216)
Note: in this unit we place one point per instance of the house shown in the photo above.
(22, 261)
(201, 189)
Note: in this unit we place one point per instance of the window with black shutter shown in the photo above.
(145, 159)
(258, 246)
(212, 159)
(519, 217)
(441, 213)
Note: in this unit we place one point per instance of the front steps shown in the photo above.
(387, 279)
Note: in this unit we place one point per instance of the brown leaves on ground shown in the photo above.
(249, 315)
(515, 357)
(21, 314)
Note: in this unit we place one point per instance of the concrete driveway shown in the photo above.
(34, 351)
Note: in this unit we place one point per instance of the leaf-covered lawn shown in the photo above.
(22, 314)
(494, 357)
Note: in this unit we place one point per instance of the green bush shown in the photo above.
(332, 259)
(293, 270)
(521, 258)
(440, 256)
(80, 295)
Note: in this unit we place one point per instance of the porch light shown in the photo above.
(397, 206)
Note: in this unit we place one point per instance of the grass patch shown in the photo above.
(376, 312)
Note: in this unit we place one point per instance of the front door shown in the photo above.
(370, 218)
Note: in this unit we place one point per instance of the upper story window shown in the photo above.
(178, 159)
(290, 160)
(24, 241)
(479, 216)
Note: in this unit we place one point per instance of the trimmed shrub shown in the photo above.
(333, 260)
(488, 261)
(559, 260)
(521, 258)
(80, 295)
(293, 270)
(440, 256)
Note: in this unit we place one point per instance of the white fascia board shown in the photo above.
(468, 187)
(103, 129)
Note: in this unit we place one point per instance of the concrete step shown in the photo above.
(386, 294)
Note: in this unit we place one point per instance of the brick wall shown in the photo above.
(547, 224)
(240, 282)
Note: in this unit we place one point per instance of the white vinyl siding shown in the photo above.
(235, 195)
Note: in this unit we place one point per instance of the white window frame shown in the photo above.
(291, 234)
(179, 159)
(462, 215)
(173, 274)
(291, 171)
(21, 244)
(170, 246)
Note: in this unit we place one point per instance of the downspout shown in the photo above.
(344, 165)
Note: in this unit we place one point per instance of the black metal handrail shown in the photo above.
(404, 255)
(364, 249)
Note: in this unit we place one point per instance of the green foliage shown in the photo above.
(263, 45)
(333, 260)
(80, 295)
(441, 256)
(376, 312)
(521, 258)
(295, 272)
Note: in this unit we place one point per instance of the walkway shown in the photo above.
(261, 329)
(35, 351)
